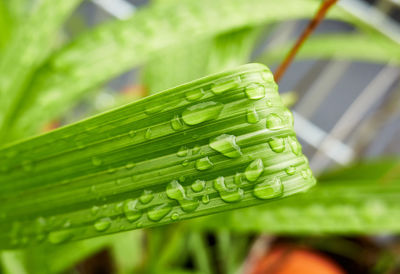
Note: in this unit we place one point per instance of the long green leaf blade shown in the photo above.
(218, 143)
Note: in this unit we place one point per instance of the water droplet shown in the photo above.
(175, 216)
(267, 76)
(269, 189)
(102, 224)
(131, 212)
(181, 179)
(196, 149)
(146, 197)
(148, 133)
(289, 117)
(151, 109)
(226, 144)
(95, 210)
(111, 170)
(277, 144)
(294, 145)
(96, 161)
(60, 236)
(205, 199)
(130, 165)
(224, 85)
(290, 170)
(201, 112)
(176, 191)
(159, 212)
(306, 173)
(254, 170)
(194, 95)
(203, 164)
(132, 133)
(228, 195)
(255, 91)
(182, 152)
(238, 179)
(274, 122)
(176, 123)
(252, 116)
(185, 163)
(198, 185)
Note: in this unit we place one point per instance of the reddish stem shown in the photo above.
(323, 9)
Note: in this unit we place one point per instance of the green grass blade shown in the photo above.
(363, 199)
(116, 47)
(28, 46)
(214, 144)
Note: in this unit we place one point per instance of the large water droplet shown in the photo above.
(294, 145)
(58, 237)
(182, 152)
(290, 170)
(176, 191)
(159, 212)
(96, 161)
(274, 122)
(252, 116)
(176, 123)
(194, 95)
(201, 112)
(277, 144)
(228, 195)
(102, 224)
(131, 212)
(198, 185)
(146, 197)
(268, 189)
(226, 144)
(255, 91)
(205, 199)
(254, 170)
(224, 85)
(203, 164)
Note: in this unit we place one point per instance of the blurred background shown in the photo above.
(344, 91)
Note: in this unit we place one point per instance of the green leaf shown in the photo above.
(357, 47)
(362, 199)
(28, 46)
(114, 48)
(155, 161)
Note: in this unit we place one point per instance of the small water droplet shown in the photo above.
(252, 116)
(60, 236)
(176, 123)
(201, 112)
(181, 179)
(203, 164)
(289, 117)
(102, 224)
(182, 152)
(226, 145)
(224, 85)
(205, 199)
(111, 170)
(198, 185)
(196, 149)
(255, 91)
(194, 95)
(175, 216)
(27, 165)
(96, 161)
(254, 170)
(146, 197)
(159, 212)
(148, 134)
(176, 191)
(228, 195)
(151, 109)
(269, 189)
(306, 173)
(130, 165)
(277, 144)
(132, 133)
(294, 145)
(131, 212)
(290, 170)
(274, 122)
(185, 163)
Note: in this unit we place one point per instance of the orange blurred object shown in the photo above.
(294, 260)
